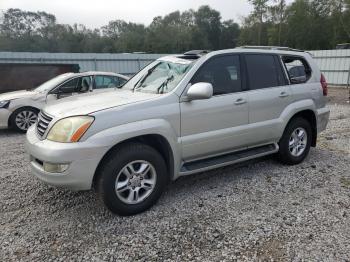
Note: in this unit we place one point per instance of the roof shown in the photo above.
(196, 54)
(100, 73)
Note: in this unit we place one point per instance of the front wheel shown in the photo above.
(23, 118)
(132, 179)
(296, 142)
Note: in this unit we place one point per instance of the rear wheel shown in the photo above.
(295, 142)
(23, 118)
(132, 179)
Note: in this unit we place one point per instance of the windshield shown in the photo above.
(48, 85)
(159, 77)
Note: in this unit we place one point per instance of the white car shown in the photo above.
(19, 110)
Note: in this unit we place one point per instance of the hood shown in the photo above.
(89, 103)
(16, 95)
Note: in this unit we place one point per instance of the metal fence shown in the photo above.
(127, 64)
(335, 65)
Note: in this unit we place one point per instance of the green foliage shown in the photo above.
(304, 24)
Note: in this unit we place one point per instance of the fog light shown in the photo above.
(55, 168)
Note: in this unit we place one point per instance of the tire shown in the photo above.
(117, 183)
(23, 118)
(294, 147)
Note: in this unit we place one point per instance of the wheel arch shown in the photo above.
(19, 109)
(310, 116)
(156, 141)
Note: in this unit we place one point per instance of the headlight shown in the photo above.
(70, 130)
(4, 103)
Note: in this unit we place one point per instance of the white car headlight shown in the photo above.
(70, 130)
(4, 103)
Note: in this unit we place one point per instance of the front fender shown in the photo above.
(115, 135)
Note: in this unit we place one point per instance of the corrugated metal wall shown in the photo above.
(335, 64)
(127, 64)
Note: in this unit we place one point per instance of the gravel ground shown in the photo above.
(259, 210)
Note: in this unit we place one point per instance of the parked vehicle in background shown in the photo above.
(178, 116)
(19, 110)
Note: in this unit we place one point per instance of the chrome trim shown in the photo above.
(43, 123)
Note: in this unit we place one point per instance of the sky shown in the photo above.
(96, 13)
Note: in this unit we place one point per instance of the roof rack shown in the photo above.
(282, 48)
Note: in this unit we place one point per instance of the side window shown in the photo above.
(108, 82)
(98, 82)
(262, 71)
(120, 81)
(70, 86)
(105, 82)
(298, 69)
(223, 73)
(84, 84)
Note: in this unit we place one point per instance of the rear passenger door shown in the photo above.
(269, 94)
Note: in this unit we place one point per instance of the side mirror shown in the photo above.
(200, 91)
(55, 92)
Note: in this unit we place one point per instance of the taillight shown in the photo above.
(324, 85)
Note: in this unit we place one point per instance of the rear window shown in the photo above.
(263, 71)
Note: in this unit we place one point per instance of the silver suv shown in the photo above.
(181, 115)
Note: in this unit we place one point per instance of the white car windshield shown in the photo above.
(48, 85)
(160, 77)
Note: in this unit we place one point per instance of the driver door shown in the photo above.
(216, 125)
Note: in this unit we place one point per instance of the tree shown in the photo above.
(207, 28)
(277, 16)
(260, 11)
(304, 24)
(229, 34)
(16, 23)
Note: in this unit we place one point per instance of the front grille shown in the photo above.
(43, 123)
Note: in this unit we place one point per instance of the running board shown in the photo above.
(227, 159)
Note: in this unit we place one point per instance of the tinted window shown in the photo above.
(262, 71)
(223, 73)
(105, 82)
(70, 86)
(120, 80)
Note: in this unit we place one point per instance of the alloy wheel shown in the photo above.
(25, 119)
(298, 142)
(135, 182)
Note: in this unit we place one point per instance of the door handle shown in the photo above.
(284, 94)
(240, 101)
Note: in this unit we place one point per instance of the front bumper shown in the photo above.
(322, 119)
(4, 117)
(82, 158)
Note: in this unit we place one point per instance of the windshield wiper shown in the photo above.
(160, 89)
(142, 79)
